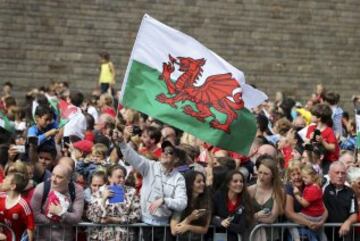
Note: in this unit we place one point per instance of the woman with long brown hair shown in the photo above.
(232, 207)
(195, 219)
(267, 196)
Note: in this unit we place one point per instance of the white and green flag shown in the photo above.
(174, 78)
(6, 124)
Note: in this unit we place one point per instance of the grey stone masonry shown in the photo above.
(281, 45)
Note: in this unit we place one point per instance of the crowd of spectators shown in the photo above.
(72, 159)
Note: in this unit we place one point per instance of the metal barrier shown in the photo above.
(283, 234)
(2, 225)
(141, 231)
(131, 232)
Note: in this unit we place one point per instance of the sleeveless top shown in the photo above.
(270, 234)
(105, 74)
(268, 204)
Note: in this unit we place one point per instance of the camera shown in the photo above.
(136, 130)
(317, 132)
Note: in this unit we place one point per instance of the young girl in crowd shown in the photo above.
(267, 196)
(106, 105)
(311, 198)
(232, 207)
(322, 133)
(97, 180)
(195, 219)
(107, 73)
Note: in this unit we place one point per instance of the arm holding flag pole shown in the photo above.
(139, 162)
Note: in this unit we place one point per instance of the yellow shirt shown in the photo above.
(106, 75)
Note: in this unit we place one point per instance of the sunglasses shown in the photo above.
(169, 152)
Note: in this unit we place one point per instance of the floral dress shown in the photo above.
(128, 211)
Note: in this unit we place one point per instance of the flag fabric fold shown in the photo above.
(6, 124)
(174, 78)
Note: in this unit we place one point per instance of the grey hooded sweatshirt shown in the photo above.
(157, 184)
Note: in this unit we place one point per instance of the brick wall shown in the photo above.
(286, 45)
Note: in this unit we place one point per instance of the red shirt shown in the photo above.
(2, 176)
(313, 194)
(109, 110)
(287, 154)
(328, 135)
(156, 153)
(231, 207)
(19, 217)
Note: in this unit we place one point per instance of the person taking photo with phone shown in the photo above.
(163, 190)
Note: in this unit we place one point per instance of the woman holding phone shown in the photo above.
(114, 203)
(267, 196)
(195, 219)
(232, 207)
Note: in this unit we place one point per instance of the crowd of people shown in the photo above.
(72, 159)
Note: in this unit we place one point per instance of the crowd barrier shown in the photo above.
(283, 230)
(141, 228)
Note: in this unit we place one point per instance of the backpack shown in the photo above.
(47, 185)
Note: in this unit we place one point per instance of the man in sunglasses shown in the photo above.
(163, 190)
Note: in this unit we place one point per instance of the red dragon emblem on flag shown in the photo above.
(221, 91)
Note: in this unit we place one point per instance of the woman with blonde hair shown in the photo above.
(267, 197)
(293, 207)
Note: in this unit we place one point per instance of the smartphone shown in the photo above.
(33, 140)
(266, 210)
(20, 148)
(118, 192)
(66, 141)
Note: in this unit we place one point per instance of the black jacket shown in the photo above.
(238, 224)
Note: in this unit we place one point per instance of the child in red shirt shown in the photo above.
(14, 210)
(311, 199)
(322, 119)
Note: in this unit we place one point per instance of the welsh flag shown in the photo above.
(6, 124)
(174, 78)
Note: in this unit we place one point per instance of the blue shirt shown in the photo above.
(35, 131)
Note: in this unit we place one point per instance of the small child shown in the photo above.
(311, 199)
(107, 73)
(14, 210)
(45, 128)
(92, 162)
(150, 139)
(106, 105)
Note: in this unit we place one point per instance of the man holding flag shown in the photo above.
(164, 80)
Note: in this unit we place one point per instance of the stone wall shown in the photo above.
(285, 45)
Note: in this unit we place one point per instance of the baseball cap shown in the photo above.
(84, 146)
(180, 153)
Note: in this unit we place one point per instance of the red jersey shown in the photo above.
(328, 135)
(19, 217)
(313, 194)
(156, 152)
